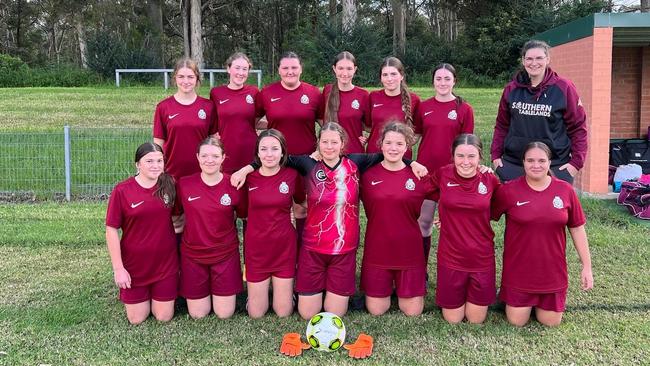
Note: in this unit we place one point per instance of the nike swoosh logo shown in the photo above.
(275, 99)
(428, 113)
(134, 205)
(223, 101)
(377, 105)
(190, 198)
(252, 188)
(171, 116)
(522, 203)
(450, 184)
(375, 183)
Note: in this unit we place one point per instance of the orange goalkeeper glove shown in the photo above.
(362, 348)
(292, 345)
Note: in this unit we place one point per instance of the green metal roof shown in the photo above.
(630, 29)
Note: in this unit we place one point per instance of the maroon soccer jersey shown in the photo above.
(183, 127)
(466, 240)
(439, 123)
(148, 244)
(392, 201)
(353, 105)
(236, 120)
(382, 109)
(534, 253)
(270, 239)
(292, 112)
(209, 235)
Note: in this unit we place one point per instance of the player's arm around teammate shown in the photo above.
(183, 120)
(270, 243)
(345, 103)
(538, 209)
(439, 120)
(394, 102)
(210, 266)
(144, 258)
(393, 258)
(466, 265)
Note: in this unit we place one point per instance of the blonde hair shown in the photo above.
(190, 64)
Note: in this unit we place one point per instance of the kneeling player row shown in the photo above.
(537, 206)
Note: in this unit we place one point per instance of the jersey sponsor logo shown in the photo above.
(225, 200)
(134, 205)
(410, 184)
(377, 105)
(521, 203)
(252, 188)
(171, 116)
(452, 115)
(249, 99)
(284, 188)
(190, 198)
(275, 99)
(320, 175)
(202, 114)
(375, 182)
(223, 101)
(557, 203)
(304, 99)
(355, 104)
(450, 184)
(532, 109)
(482, 189)
(427, 113)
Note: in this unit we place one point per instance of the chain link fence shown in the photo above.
(72, 163)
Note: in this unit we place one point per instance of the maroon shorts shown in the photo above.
(455, 288)
(332, 272)
(380, 282)
(253, 275)
(163, 290)
(553, 301)
(220, 279)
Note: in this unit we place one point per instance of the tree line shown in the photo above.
(481, 37)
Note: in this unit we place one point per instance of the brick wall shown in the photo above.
(626, 99)
(645, 93)
(588, 63)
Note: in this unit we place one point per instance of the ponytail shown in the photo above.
(333, 104)
(166, 189)
(406, 104)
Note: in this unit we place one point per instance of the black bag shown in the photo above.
(630, 151)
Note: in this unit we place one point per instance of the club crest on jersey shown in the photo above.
(410, 185)
(249, 99)
(320, 175)
(304, 99)
(355, 104)
(557, 202)
(482, 189)
(202, 114)
(452, 115)
(284, 188)
(225, 200)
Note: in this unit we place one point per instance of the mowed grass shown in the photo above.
(58, 305)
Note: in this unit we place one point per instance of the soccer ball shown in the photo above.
(325, 332)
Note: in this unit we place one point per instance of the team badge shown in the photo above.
(557, 202)
(284, 188)
(304, 99)
(166, 199)
(410, 185)
(225, 200)
(320, 175)
(249, 99)
(482, 189)
(452, 115)
(355, 104)
(202, 114)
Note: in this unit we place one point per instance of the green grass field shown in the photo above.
(58, 303)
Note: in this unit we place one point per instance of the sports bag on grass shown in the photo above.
(636, 197)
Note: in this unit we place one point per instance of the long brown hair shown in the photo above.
(165, 186)
(452, 70)
(272, 132)
(404, 90)
(190, 64)
(333, 102)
